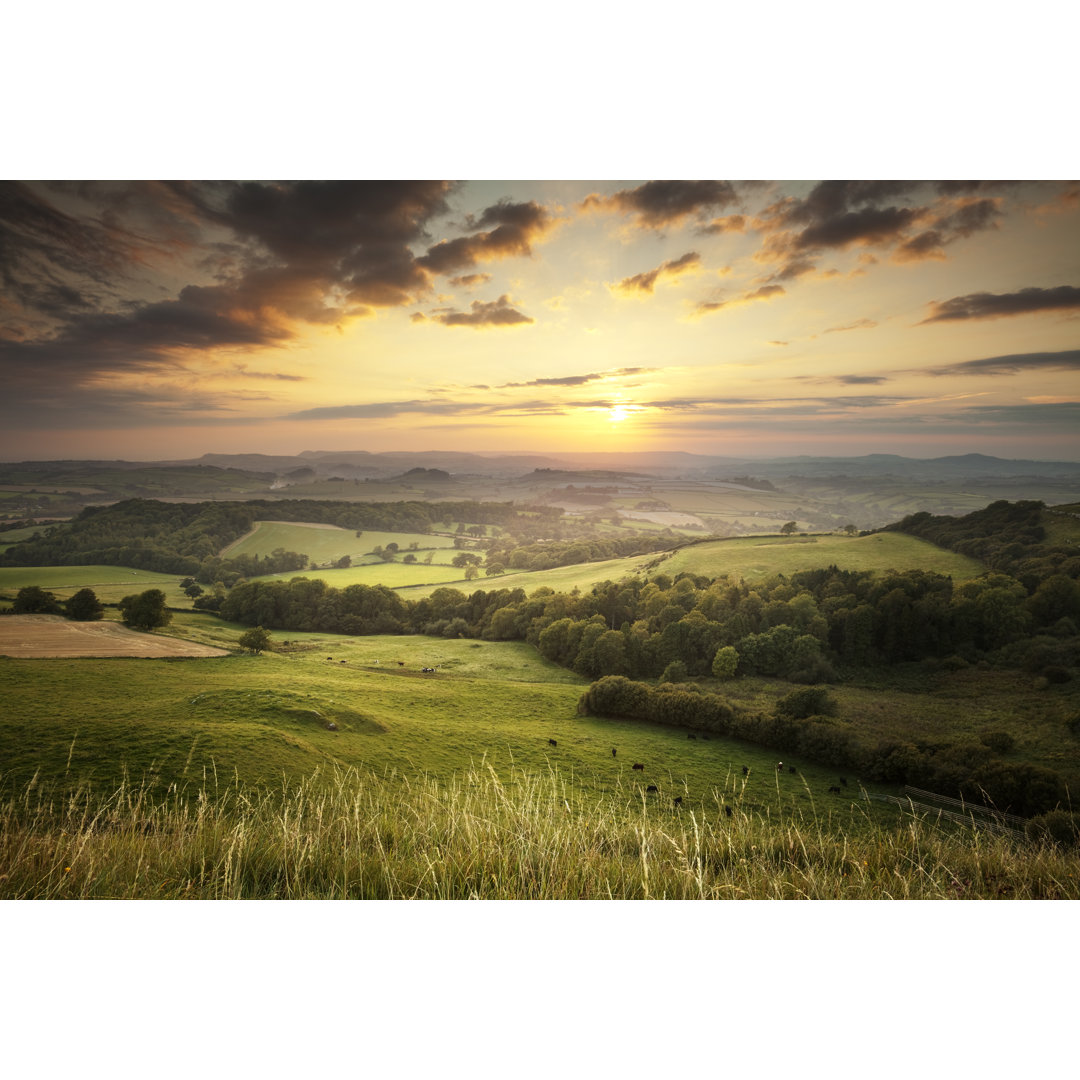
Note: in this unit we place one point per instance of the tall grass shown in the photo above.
(355, 834)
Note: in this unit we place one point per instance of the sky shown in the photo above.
(154, 320)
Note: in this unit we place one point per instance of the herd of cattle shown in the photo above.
(652, 789)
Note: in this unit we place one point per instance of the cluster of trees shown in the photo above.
(800, 724)
(83, 606)
(508, 552)
(1008, 537)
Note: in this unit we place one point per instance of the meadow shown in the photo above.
(110, 583)
(328, 543)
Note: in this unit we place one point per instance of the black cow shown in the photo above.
(678, 800)
(843, 781)
(727, 810)
(745, 770)
(652, 787)
(613, 751)
(638, 765)
(791, 769)
(691, 736)
(834, 790)
(552, 742)
(401, 663)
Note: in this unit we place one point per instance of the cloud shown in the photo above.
(491, 313)
(765, 292)
(1067, 360)
(467, 281)
(645, 282)
(658, 203)
(730, 223)
(915, 219)
(514, 228)
(996, 305)
(859, 324)
(581, 380)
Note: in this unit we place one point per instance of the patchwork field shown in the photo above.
(327, 543)
(110, 583)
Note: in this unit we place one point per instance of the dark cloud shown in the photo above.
(1067, 360)
(515, 227)
(996, 305)
(916, 219)
(658, 203)
(480, 314)
(646, 282)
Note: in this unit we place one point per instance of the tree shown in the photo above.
(146, 611)
(193, 590)
(789, 527)
(344, 562)
(725, 662)
(471, 573)
(34, 600)
(255, 640)
(851, 530)
(84, 606)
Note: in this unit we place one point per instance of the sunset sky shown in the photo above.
(150, 320)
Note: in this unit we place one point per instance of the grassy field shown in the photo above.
(753, 557)
(327, 543)
(110, 583)
(528, 834)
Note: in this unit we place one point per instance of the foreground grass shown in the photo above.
(356, 834)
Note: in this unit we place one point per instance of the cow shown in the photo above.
(329, 658)
(652, 787)
(691, 736)
(791, 769)
(834, 790)
(552, 742)
(727, 810)
(344, 661)
(843, 781)
(401, 663)
(639, 766)
(779, 766)
(613, 754)
(678, 800)
(426, 670)
(746, 770)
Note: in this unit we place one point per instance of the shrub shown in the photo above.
(812, 701)
(34, 600)
(84, 606)
(1057, 825)
(675, 672)
(1001, 742)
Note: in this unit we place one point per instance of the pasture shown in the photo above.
(755, 557)
(496, 704)
(327, 543)
(110, 583)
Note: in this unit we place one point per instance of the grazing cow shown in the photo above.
(331, 726)
(745, 770)
(652, 787)
(843, 781)
(426, 670)
(678, 800)
(344, 661)
(691, 736)
(401, 663)
(727, 810)
(638, 765)
(613, 752)
(329, 658)
(779, 766)
(834, 790)
(552, 742)
(791, 769)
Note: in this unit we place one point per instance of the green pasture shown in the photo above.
(264, 717)
(754, 557)
(323, 543)
(110, 583)
(395, 575)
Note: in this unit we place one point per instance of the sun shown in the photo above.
(617, 413)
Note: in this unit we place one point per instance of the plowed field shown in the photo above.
(51, 635)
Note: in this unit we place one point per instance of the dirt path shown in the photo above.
(38, 636)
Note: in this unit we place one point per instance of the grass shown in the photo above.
(110, 583)
(755, 557)
(326, 543)
(361, 834)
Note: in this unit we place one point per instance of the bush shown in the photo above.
(675, 672)
(813, 701)
(146, 611)
(1058, 826)
(1001, 742)
(255, 640)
